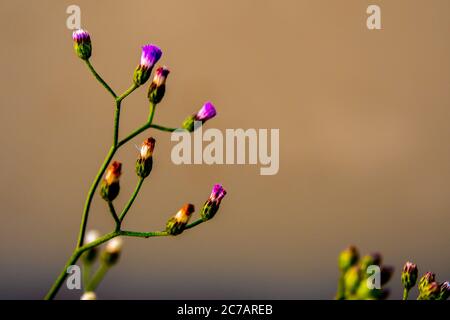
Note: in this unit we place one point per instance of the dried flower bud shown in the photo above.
(90, 255)
(177, 224)
(445, 291)
(207, 112)
(150, 55)
(112, 251)
(90, 295)
(82, 44)
(158, 86)
(211, 205)
(144, 163)
(348, 258)
(426, 280)
(409, 275)
(110, 185)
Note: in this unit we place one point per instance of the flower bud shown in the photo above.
(158, 86)
(430, 291)
(150, 55)
(366, 261)
(207, 112)
(348, 258)
(176, 224)
(90, 295)
(82, 44)
(211, 205)
(144, 163)
(426, 280)
(409, 275)
(112, 251)
(445, 291)
(110, 185)
(90, 255)
(352, 279)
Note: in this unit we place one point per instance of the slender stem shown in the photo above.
(144, 234)
(162, 128)
(102, 82)
(151, 113)
(127, 92)
(73, 259)
(405, 294)
(116, 124)
(90, 195)
(114, 214)
(195, 223)
(141, 129)
(130, 202)
(98, 277)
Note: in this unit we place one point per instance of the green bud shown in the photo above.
(111, 254)
(352, 279)
(409, 275)
(110, 186)
(157, 88)
(431, 291)
(141, 75)
(144, 163)
(188, 123)
(90, 255)
(425, 281)
(82, 44)
(177, 223)
(348, 258)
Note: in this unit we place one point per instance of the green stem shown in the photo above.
(102, 82)
(98, 277)
(90, 195)
(144, 234)
(162, 128)
(130, 202)
(405, 294)
(114, 214)
(127, 92)
(86, 273)
(116, 124)
(136, 132)
(195, 223)
(341, 288)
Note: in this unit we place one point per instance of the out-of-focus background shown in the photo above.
(364, 130)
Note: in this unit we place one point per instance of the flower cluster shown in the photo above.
(359, 278)
(429, 288)
(88, 243)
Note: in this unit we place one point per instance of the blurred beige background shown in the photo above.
(364, 129)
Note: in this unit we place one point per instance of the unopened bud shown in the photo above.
(445, 291)
(112, 251)
(177, 224)
(110, 185)
(158, 86)
(409, 275)
(211, 205)
(426, 280)
(90, 295)
(150, 55)
(207, 112)
(82, 44)
(144, 162)
(352, 279)
(431, 291)
(348, 258)
(90, 255)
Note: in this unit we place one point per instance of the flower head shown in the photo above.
(211, 205)
(112, 251)
(144, 163)
(348, 258)
(150, 55)
(445, 291)
(157, 88)
(82, 43)
(113, 173)
(217, 194)
(147, 148)
(177, 223)
(426, 280)
(110, 186)
(207, 112)
(409, 275)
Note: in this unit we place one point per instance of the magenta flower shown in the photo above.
(80, 36)
(150, 55)
(217, 194)
(206, 112)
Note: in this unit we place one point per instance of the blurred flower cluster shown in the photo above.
(362, 278)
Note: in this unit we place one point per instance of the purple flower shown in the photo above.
(206, 112)
(81, 36)
(150, 55)
(218, 192)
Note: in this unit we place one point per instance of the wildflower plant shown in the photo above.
(109, 174)
(429, 288)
